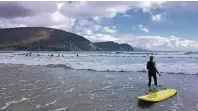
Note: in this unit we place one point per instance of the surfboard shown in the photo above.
(159, 95)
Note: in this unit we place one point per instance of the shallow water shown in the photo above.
(41, 88)
(167, 62)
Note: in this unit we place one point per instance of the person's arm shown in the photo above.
(156, 69)
(147, 65)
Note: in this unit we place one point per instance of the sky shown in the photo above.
(153, 25)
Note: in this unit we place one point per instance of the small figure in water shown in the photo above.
(77, 55)
(51, 55)
(152, 70)
(38, 55)
(62, 55)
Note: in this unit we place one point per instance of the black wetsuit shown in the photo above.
(152, 72)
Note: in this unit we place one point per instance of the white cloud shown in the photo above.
(143, 28)
(82, 25)
(157, 17)
(64, 16)
(92, 33)
(107, 9)
(89, 32)
(59, 26)
(97, 18)
(60, 5)
(57, 16)
(80, 4)
(52, 19)
(95, 32)
(146, 10)
(48, 20)
(161, 43)
(4, 23)
(97, 27)
(152, 4)
(101, 37)
(117, 9)
(83, 22)
(62, 13)
(84, 9)
(108, 30)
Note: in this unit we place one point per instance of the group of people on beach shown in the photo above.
(49, 55)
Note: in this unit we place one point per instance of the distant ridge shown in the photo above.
(112, 46)
(41, 38)
(49, 39)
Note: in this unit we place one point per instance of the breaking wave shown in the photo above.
(170, 63)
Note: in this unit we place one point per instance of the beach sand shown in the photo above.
(41, 88)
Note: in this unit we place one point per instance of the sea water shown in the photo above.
(114, 61)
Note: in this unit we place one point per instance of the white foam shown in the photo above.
(13, 102)
(70, 90)
(61, 109)
(53, 102)
(93, 61)
(3, 93)
(106, 87)
(92, 96)
(38, 106)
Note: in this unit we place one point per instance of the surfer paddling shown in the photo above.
(152, 70)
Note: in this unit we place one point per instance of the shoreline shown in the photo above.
(44, 88)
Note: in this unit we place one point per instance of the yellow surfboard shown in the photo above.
(159, 95)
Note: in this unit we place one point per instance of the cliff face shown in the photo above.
(111, 46)
(40, 38)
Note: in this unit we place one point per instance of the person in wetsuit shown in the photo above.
(152, 70)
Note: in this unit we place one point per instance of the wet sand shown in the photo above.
(41, 88)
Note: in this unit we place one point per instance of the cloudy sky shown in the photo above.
(155, 25)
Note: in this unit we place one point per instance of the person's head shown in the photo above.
(151, 58)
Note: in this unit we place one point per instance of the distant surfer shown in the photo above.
(152, 70)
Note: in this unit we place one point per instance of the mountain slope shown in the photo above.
(40, 38)
(111, 46)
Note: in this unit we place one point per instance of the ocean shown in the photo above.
(95, 81)
(166, 62)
